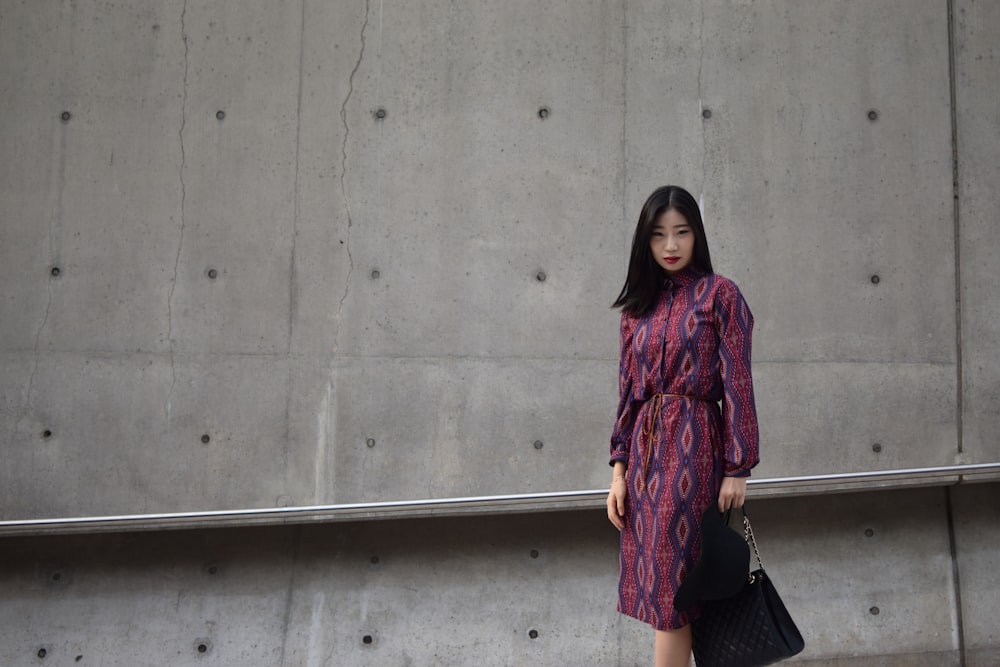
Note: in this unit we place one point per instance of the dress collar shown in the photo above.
(683, 278)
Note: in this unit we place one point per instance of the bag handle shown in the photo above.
(748, 536)
(747, 532)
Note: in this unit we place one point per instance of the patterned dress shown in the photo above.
(677, 363)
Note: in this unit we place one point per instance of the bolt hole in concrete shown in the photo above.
(56, 271)
(42, 653)
(375, 274)
(873, 115)
(374, 560)
(46, 434)
(706, 113)
(539, 444)
(543, 113)
(221, 115)
(213, 274)
(540, 276)
(876, 280)
(213, 569)
(380, 114)
(202, 646)
(370, 442)
(65, 116)
(206, 438)
(367, 639)
(534, 553)
(877, 447)
(874, 611)
(533, 634)
(869, 532)
(78, 658)
(56, 576)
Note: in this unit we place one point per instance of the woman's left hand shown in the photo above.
(733, 493)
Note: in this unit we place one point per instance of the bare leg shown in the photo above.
(673, 647)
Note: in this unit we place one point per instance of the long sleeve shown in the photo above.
(734, 323)
(628, 380)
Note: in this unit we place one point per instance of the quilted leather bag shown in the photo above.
(749, 629)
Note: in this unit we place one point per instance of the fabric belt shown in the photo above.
(649, 423)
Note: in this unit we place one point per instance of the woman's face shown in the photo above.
(672, 243)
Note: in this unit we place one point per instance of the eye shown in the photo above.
(683, 232)
(657, 233)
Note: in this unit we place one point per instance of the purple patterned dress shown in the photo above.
(677, 363)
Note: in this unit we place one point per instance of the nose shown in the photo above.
(671, 243)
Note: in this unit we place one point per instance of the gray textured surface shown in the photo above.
(977, 534)
(379, 277)
(454, 358)
(978, 116)
(465, 591)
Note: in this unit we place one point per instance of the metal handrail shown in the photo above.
(402, 508)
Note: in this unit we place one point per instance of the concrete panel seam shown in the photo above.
(701, 105)
(180, 240)
(292, 309)
(343, 177)
(625, 144)
(955, 574)
(290, 587)
(295, 204)
(956, 220)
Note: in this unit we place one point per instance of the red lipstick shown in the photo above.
(671, 260)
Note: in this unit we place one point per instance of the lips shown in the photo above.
(671, 260)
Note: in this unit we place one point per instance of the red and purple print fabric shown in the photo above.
(678, 362)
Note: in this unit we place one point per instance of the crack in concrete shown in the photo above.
(57, 216)
(343, 174)
(38, 334)
(180, 242)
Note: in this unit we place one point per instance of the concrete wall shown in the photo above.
(321, 252)
(869, 577)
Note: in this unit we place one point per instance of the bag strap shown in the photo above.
(748, 537)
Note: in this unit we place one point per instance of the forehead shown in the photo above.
(670, 219)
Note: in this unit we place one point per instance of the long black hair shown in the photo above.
(645, 277)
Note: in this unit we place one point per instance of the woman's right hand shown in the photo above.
(616, 502)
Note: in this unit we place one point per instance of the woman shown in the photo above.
(685, 346)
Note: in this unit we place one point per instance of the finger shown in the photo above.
(612, 514)
(613, 518)
(621, 505)
(725, 501)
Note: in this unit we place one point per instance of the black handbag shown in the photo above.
(749, 629)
